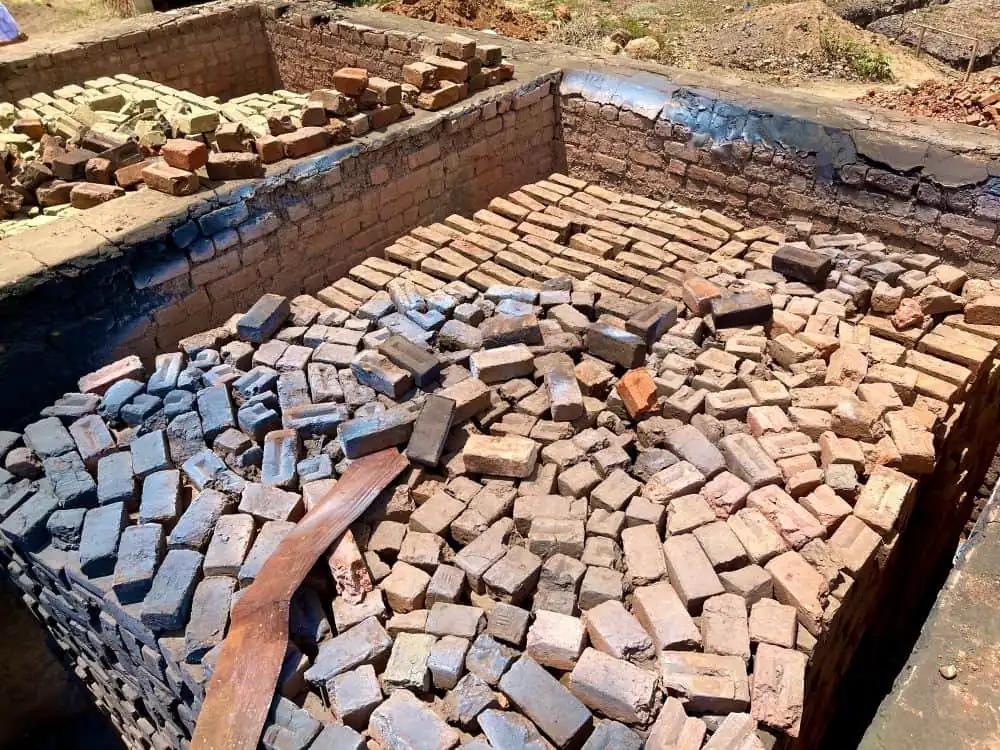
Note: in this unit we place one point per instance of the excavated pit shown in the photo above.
(665, 177)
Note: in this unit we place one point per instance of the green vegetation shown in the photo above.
(866, 61)
(591, 31)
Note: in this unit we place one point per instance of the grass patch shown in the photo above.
(865, 61)
(589, 31)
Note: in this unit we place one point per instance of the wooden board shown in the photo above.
(239, 695)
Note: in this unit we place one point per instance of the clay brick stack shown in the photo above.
(461, 68)
(656, 458)
(83, 145)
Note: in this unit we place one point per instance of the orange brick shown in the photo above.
(638, 391)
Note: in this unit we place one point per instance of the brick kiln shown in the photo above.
(654, 453)
(685, 378)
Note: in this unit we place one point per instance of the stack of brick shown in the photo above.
(461, 68)
(657, 459)
(84, 145)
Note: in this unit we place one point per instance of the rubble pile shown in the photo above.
(651, 451)
(81, 146)
(975, 102)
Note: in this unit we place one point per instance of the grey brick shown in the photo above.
(488, 659)
(149, 453)
(281, 454)
(47, 437)
(161, 497)
(324, 384)
(197, 522)
(102, 528)
(422, 364)
(65, 527)
(13, 494)
(610, 735)
(71, 406)
(115, 481)
(231, 540)
(209, 616)
(507, 729)
(177, 402)
(365, 435)
(262, 320)
(430, 430)
(292, 386)
(267, 541)
(366, 643)
(71, 481)
(139, 553)
(140, 408)
(354, 695)
(314, 468)
(117, 396)
(258, 419)
(543, 699)
(167, 370)
(405, 723)
(447, 661)
(8, 440)
(299, 723)
(256, 381)
(25, 526)
(270, 503)
(185, 436)
(167, 604)
(216, 411)
(337, 737)
(692, 446)
(464, 704)
(205, 469)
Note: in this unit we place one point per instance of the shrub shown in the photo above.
(865, 61)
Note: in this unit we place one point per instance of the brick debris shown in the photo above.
(651, 452)
(80, 146)
(975, 102)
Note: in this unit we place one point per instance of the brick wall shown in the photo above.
(712, 150)
(308, 47)
(218, 49)
(872, 632)
(184, 264)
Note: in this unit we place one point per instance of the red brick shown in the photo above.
(183, 153)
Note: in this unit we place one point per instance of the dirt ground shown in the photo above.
(42, 17)
(478, 14)
(790, 45)
(804, 44)
(978, 19)
(793, 44)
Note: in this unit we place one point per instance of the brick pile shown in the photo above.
(461, 68)
(84, 145)
(975, 102)
(652, 452)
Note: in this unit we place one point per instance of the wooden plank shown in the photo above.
(240, 692)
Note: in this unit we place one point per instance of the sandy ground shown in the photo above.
(774, 41)
(41, 17)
